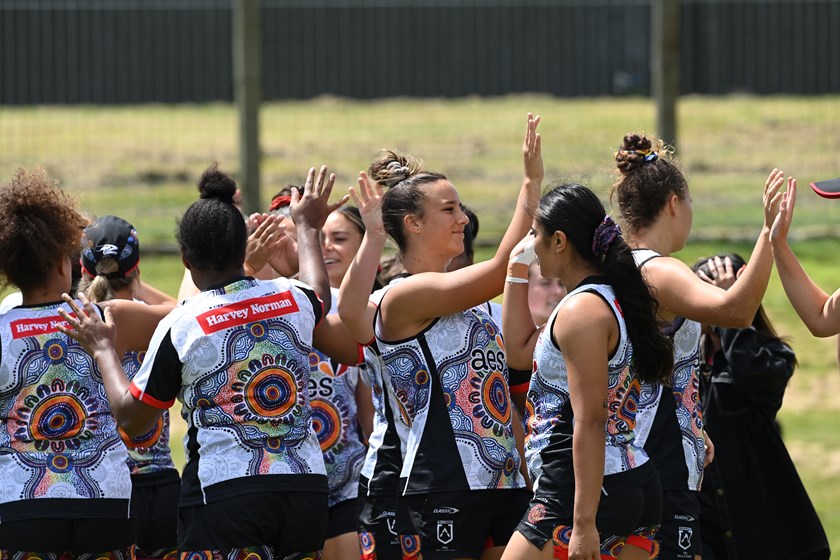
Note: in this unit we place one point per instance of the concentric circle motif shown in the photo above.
(490, 328)
(421, 377)
(60, 464)
(274, 445)
(314, 359)
(368, 543)
(198, 555)
(146, 440)
(55, 350)
(536, 513)
(510, 465)
(326, 423)
(410, 545)
(271, 393)
(494, 396)
(59, 416)
(258, 331)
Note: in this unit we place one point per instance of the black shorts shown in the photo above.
(343, 518)
(156, 508)
(107, 537)
(627, 516)
(378, 527)
(282, 523)
(462, 524)
(679, 535)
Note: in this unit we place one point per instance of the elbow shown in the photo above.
(131, 428)
(820, 331)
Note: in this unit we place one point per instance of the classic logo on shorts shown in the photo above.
(684, 537)
(445, 531)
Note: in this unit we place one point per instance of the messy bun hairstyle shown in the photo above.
(39, 223)
(647, 177)
(212, 232)
(575, 210)
(402, 175)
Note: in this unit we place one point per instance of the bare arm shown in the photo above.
(310, 211)
(819, 311)
(681, 292)
(135, 322)
(354, 307)
(450, 292)
(151, 295)
(331, 338)
(585, 330)
(97, 337)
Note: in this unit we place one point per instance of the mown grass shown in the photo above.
(142, 162)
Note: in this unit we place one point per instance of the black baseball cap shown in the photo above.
(110, 236)
(827, 189)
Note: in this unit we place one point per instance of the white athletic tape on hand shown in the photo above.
(527, 256)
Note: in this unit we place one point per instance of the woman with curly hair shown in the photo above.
(64, 482)
(654, 203)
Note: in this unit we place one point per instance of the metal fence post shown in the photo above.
(665, 62)
(247, 80)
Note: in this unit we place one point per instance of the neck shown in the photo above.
(572, 278)
(416, 261)
(204, 279)
(654, 238)
(48, 293)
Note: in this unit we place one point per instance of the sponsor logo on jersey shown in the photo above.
(247, 311)
(35, 327)
(684, 518)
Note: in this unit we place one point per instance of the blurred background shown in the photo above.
(127, 101)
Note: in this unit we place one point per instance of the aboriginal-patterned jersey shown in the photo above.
(150, 452)
(549, 417)
(675, 440)
(237, 357)
(381, 469)
(332, 395)
(58, 440)
(453, 409)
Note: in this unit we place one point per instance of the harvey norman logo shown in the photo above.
(35, 327)
(247, 311)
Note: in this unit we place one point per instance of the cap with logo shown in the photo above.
(110, 236)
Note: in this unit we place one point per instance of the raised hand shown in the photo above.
(781, 224)
(311, 208)
(368, 200)
(532, 150)
(772, 196)
(722, 274)
(524, 252)
(264, 242)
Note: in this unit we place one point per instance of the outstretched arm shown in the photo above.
(819, 311)
(354, 307)
(450, 292)
(309, 211)
(517, 322)
(681, 292)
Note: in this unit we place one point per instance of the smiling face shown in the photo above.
(340, 241)
(443, 221)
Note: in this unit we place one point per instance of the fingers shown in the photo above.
(340, 203)
(704, 277)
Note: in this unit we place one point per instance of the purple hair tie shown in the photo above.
(604, 235)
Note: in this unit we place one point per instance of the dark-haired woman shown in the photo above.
(752, 482)
(64, 482)
(654, 202)
(111, 273)
(596, 494)
(443, 361)
(237, 356)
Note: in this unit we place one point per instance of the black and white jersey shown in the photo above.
(237, 357)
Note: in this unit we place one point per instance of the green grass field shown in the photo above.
(142, 162)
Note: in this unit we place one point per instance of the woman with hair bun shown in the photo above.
(110, 262)
(442, 361)
(596, 495)
(237, 357)
(65, 486)
(654, 202)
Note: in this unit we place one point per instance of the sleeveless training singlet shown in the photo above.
(550, 419)
(453, 413)
(675, 439)
(60, 453)
(237, 357)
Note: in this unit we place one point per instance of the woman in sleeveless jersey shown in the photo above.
(443, 359)
(237, 356)
(64, 482)
(654, 203)
(596, 494)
